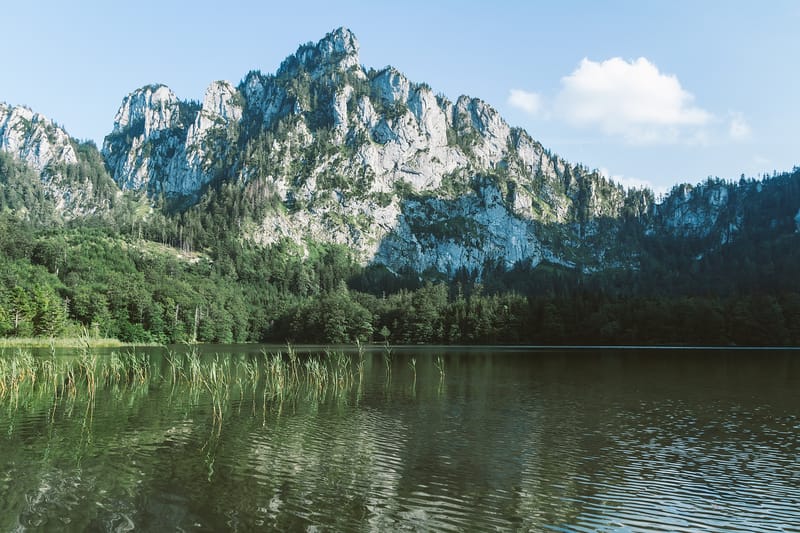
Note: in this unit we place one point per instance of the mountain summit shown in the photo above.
(328, 151)
(72, 181)
(338, 50)
(368, 159)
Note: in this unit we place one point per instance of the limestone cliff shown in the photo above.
(354, 155)
(327, 150)
(165, 146)
(71, 174)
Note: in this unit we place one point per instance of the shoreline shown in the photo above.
(67, 342)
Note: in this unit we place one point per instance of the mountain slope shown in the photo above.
(328, 151)
(239, 217)
(72, 180)
(370, 160)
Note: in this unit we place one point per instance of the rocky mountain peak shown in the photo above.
(147, 109)
(340, 42)
(338, 50)
(392, 86)
(161, 144)
(34, 139)
(327, 151)
(219, 101)
(71, 175)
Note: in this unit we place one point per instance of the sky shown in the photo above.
(650, 93)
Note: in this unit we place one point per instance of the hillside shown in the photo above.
(328, 188)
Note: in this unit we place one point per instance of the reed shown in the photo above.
(387, 360)
(280, 376)
(293, 363)
(67, 342)
(68, 376)
(413, 364)
(439, 364)
(360, 362)
(174, 361)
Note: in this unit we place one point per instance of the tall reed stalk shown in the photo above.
(279, 376)
(439, 364)
(387, 360)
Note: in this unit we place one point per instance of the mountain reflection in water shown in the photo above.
(443, 439)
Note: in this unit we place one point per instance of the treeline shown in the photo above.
(63, 281)
(179, 276)
(431, 314)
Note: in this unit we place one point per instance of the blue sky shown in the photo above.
(648, 92)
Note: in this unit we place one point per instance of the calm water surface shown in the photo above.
(532, 440)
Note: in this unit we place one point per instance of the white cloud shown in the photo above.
(632, 100)
(738, 128)
(632, 183)
(761, 161)
(529, 102)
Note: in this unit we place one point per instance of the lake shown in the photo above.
(417, 439)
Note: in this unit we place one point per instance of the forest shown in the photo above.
(143, 283)
(187, 275)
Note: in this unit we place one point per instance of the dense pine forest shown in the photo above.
(186, 276)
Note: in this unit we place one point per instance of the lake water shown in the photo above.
(476, 439)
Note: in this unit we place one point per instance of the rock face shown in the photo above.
(326, 150)
(364, 158)
(163, 145)
(59, 160)
(444, 235)
(33, 139)
(694, 211)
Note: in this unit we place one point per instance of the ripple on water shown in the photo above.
(310, 463)
(502, 450)
(738, 481)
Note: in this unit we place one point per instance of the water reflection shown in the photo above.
(516, 440)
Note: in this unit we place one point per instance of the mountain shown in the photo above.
(328, 151)
(368, 159)
(330, 202)
(72, 180)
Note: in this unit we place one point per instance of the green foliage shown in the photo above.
(60, 280)
(454, 184)
(457, 228)
(21, 192)
(176, 275)
(394, 111)
(90, 169)
(333, 319)
(403, 189)
(383, 199)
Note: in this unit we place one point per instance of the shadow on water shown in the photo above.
(400, 438)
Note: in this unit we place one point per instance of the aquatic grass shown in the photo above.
(360, 364)
(218, 382)
(387, 361)
(340, 368)
(277, 377)
(276, 373)
(87, 367)
(247, 375)
(136, 366)
(67, 342)
(68, 376)
(316, 375)
(293, 363)
(412, 363)
(439, 364)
